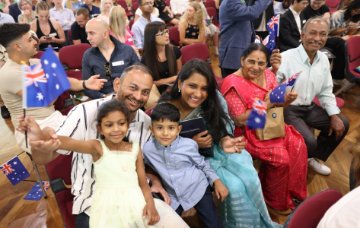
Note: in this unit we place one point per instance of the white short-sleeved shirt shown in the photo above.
(81, 124)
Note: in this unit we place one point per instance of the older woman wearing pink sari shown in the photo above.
(284, 160)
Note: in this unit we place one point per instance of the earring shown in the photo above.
(179, 90)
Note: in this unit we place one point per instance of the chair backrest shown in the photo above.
(72, 55)
(61, 168)
(174, 35)
(353, 54)
(333, 5)
(194, 51)
(123, 4)
(309, 213)
(210, 3)
(213, 14)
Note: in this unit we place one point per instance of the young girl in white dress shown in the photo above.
(122, 196)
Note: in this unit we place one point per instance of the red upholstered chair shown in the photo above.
(71, 57)
(174, 35)
(135, 5)
(194, 51)
(353, 61)
(333, 5)
(123, 4)
(209, 3)
(353, 56)
(213, 15)
(61, 168)
(38, 55)
(339, 102)
(309, 213)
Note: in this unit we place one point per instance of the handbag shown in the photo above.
(274, 126)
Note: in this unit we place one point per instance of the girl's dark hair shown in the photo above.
(256, 47)
(112, 106)
(151, 57)
(352, 6)
(165, 111)
(213, 113)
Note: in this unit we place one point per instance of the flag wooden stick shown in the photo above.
(26, 135)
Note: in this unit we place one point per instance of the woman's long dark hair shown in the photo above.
(213, 113)
(347, 14)
(151, 57)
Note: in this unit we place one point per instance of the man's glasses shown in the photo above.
(163, 32)
(148, 4)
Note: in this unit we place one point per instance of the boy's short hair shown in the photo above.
(165, 111)
(10, 32)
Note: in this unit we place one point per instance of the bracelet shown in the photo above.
(83, 84)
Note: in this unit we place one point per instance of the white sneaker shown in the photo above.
(318, 167)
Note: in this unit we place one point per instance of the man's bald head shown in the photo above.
(97, 32)
(99, 24)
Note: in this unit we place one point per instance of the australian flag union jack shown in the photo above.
(257, 117)
(15, 171)
(273, 27)
(277, 95)
(44, 82)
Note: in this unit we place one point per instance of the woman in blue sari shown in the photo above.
(195, 94)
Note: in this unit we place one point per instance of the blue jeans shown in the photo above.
(82, 220)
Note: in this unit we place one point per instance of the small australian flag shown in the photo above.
(36, 192)
(257, 117)
(44, 82)
(277, 95)
(273, 27)
(15, 171)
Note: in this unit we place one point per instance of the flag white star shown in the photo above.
(257, 120)
(39, 96)
(57, 86)
(46, 62)
(53, 65)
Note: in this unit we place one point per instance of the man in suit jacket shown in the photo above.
(291, 23)
(236, 31)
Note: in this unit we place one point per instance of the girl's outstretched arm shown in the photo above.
(92, 147)
(149, 210)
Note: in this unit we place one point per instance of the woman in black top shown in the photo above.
(191, 25)
(49, 31)
(163, 59)
(165, 12)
